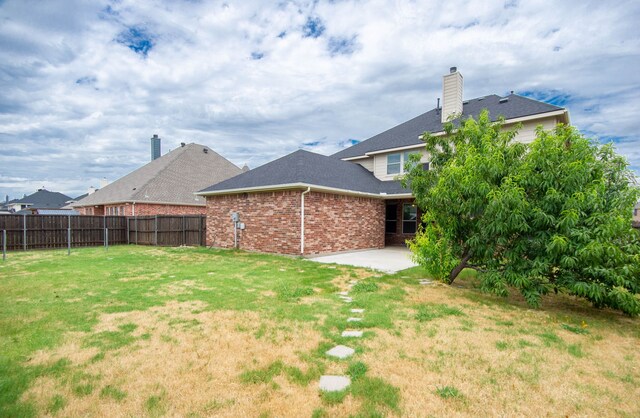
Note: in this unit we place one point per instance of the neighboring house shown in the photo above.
(41, 199)
(164, 186)
(306, 203)
(72, 202)
(636, 215)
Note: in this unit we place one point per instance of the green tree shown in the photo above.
(554, 215)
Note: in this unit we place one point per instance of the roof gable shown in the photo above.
(313, 169)
(409, 132)
(44, 199)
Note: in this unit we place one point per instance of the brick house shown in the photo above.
(164, 186)
(305, 203)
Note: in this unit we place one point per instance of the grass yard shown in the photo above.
(141, 331)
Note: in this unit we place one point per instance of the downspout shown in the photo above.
(302, 220)
(133, 209)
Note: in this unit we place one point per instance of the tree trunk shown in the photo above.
(466, 255)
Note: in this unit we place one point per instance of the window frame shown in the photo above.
(403, 159)
(413, 221)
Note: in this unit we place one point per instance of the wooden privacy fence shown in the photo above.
(24, 232)
(168, 231)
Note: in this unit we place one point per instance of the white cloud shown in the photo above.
(78, 105)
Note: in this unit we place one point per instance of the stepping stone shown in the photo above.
(347, 300)
(341, 351)
(343, 293)
(334, 383)
(352, 282)
(426, 282)
(354, 319)
(354, 334)
(357, 310)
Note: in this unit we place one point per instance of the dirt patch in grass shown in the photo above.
(177, 370)
(518, 362)
(180, 287)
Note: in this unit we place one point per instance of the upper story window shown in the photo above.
(396, 162)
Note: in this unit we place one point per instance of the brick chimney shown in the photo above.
(451, 94)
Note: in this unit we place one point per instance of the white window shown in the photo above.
(397, 161)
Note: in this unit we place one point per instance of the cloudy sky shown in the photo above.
(85, 84)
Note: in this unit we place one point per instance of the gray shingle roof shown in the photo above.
(44, 199)
(172, 178)
(313, 169)
(408, 133)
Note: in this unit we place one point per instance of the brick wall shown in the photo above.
(272, 222)
(342, 223)
(143, 209)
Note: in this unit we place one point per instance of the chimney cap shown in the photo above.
(155, 136)
(453, 70)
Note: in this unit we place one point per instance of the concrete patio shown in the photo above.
(388, 260)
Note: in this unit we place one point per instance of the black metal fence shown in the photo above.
(25, 232)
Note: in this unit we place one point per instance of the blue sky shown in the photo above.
(85, 84)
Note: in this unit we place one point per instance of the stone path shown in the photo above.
(334, 383)
(341, 351)
(330, 383)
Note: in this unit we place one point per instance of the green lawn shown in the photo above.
(143, 331)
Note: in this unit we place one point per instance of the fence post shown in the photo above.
(24, 232)
(106, 238)
(136, 229)
(184, 232)
(69, 235)
(127, 218)
(4, 244)
(200, 231)
(156, 231)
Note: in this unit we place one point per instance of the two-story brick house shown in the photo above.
(305, 203)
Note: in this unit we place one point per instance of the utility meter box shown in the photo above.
(241, 225)
(235, 217)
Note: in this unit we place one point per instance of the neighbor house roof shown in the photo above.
(308, 169)
(170, 179)
(408, 133)
(43, 199)
(70, 212)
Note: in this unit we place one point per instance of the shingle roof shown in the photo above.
(172, 178)
(58, 212)
(408, 133)
(312, 169)
(44, 199)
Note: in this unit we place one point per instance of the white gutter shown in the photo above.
(302, 220)
(287, 186)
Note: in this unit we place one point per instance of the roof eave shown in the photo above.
(300, 185)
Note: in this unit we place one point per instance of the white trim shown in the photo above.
(407, 147)
(536, 116)
(313, 187)
(302, 219)
(439, 133)
(359, 157)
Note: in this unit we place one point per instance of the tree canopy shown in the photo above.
(553, 215)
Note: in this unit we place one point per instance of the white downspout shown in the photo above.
(133, 209)
(302, 220)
